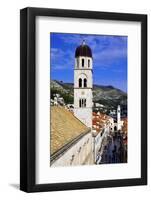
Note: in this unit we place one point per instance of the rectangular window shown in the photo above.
(80, 103)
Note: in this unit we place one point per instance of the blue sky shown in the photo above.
(109, 58)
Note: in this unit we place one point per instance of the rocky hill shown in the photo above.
(108, 96)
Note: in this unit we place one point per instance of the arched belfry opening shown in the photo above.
(80, 82)
(85, 82)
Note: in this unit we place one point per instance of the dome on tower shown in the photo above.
(83, 50)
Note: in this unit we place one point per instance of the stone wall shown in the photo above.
(80, 153)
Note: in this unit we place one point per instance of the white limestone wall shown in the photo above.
(84, 115)
(80, 153)
(83, 94)
(97, 143)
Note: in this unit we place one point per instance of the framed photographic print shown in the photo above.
(83, 99)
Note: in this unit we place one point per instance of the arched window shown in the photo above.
(88, 62)
(80, 103)
(85, 82)
(80, 82)
(82, 62)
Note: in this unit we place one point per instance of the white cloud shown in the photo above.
(105, 49)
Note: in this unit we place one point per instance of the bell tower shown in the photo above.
(83, 84)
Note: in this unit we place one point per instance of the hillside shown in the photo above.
(109, 96)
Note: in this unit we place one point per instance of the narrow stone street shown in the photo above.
(113, 150)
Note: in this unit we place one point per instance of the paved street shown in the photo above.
(113, 150)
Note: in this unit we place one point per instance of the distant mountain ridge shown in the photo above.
(107, 95)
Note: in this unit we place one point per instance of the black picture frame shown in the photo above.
(28, 99)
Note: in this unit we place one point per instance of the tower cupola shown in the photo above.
(83, 50)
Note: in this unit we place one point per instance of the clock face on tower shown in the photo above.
(82, 93)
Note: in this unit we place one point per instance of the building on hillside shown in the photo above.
(71, 140)
(83, 83)
(57, 100)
